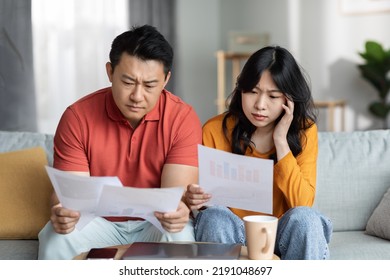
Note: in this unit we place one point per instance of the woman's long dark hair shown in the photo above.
(289, 78)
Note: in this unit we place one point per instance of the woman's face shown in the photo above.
(263, 104)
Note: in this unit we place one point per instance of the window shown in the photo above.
(71, 43)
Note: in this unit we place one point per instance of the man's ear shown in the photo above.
(109, 71)
(167, 78)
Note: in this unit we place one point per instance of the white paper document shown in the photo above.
(105, 196)
(80, 193)
(138, 202)
(236, 181)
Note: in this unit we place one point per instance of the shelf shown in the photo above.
(330, 106)
(236, 59)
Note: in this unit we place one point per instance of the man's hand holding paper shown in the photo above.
(106, 197)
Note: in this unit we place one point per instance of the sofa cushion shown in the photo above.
(19, 249)
(352, 176)
(18, 140)
(25, 191)
(356, 245)
(378, 224)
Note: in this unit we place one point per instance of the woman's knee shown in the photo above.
(215, 216)
(219, 224)
(303, 233)
(307, 219)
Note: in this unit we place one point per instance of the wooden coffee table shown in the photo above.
(122, 249)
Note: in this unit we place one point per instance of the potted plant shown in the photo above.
(376, 70)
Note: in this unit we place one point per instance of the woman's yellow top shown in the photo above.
(294, 177)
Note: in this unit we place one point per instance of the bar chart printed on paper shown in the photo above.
(235, 173)
(236, 181)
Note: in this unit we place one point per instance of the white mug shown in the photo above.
(260, 233)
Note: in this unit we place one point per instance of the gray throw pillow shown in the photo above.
(379, 222)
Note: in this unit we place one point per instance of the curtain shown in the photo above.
(161, 14)
(69, 42)
(72, 40)
(17, 97)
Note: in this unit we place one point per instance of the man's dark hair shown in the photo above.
(144, 42)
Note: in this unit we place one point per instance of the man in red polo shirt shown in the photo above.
(135, 130)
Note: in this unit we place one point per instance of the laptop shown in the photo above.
(171, 250)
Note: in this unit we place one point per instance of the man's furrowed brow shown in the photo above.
(151, 81)
(127, 77)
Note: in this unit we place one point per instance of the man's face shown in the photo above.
(136, 86)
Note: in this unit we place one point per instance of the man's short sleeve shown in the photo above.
(69, 150)
(187, 136)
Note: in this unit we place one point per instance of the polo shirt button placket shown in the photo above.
(133, 142)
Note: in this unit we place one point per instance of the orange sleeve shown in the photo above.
(213, 135)
(295, 178)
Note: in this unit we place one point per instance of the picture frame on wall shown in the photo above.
(246, 41)
(351, 7)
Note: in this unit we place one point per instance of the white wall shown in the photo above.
(331, 56)
(197, 41)
(324, 40)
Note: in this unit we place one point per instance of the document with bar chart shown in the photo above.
(236, 181)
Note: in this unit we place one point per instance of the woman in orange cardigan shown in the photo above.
(270, 115)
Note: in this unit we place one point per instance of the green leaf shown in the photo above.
(375, 76)
(379, 109)
(374, 52)
(375, 71)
